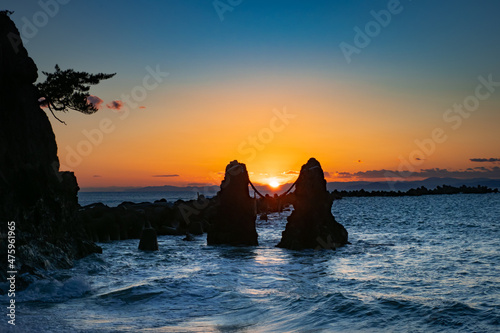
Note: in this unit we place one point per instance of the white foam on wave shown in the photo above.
(54, 290)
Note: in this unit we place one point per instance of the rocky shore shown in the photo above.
(126, 221)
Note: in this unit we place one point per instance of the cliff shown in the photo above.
(41, 200)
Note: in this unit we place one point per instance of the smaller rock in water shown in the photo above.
(149, 240)
(188, 237)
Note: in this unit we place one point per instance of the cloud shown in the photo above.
(42, 102)
(373, 173)
(491, 160)
(165, 176)
(97, 176)
(481, 168)
(327, 174)
(478, 172)
(291, 172)
(360, 174)
(200, 184)
(142, 107)
(94, 100)
(115, 105)
(343, 175)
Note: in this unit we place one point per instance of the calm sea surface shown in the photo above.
(419, 264)
(113, 199)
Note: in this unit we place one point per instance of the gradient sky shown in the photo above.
(229, 78)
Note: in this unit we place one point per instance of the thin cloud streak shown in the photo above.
(477, 172)
(490, 160)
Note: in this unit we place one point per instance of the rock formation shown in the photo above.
(312, 225)
(104, 224)
(149, 240)
(33, 193)
(233, 222)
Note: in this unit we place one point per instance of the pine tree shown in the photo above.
(68, 89)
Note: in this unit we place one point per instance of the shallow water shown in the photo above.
(420, 264)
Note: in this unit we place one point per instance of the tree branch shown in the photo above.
(55, 115)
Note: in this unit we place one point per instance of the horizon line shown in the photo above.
(130, 187)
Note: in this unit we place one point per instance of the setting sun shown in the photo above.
(274, 183)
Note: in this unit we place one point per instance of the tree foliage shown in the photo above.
(68, 89)
(6, 12)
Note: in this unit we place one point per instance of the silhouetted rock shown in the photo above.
(125, 221)
(188, 237)
(311, 224)
(195, 228)
(105, 223)
(149, 240)
(233, 222)
(164, 230)
(33, 193)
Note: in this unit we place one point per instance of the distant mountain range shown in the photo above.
(429, 183)
(163, 188)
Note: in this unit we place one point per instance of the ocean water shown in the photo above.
(113, 199)
(416, 264)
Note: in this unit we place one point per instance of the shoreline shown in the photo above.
(169, 196)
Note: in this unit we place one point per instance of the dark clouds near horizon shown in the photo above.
(477, 172)
(490, 160)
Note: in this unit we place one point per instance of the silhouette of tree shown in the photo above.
(7, 12)
(68, 89)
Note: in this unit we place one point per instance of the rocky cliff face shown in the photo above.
(234, 220)
(312, 225)
(33, 193)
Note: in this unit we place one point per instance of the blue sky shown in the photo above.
(448, 38)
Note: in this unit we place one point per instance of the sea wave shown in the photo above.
(413, 265)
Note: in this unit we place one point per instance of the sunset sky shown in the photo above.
(369, 88)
